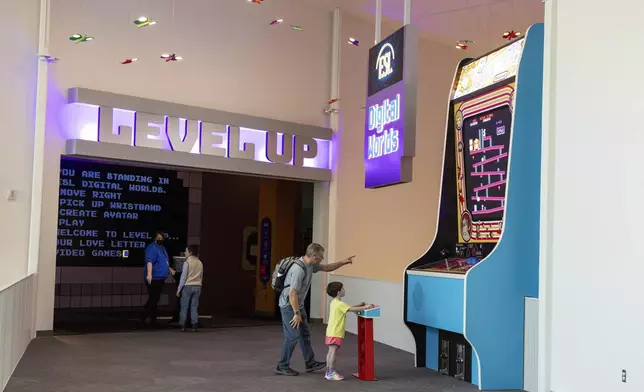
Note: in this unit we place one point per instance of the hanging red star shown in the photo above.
(463, 44)
(171, 57)
(510, 35)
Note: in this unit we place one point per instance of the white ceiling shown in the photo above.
(448, 21)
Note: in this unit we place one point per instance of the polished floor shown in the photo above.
(231, 359)
(83, 321)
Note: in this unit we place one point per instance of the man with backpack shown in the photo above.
(292, 280)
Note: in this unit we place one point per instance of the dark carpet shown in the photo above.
(235, 359)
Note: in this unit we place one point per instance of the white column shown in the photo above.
(324, 192)
(39, 140)
(378, 21)
(407, 14)
(335, 66)
(39, 155)
(547, 198)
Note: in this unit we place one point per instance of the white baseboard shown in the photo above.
(389, 328)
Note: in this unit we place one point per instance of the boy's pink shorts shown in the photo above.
(331, 341)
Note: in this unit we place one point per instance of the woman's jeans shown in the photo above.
(293, 336)
(190, 299)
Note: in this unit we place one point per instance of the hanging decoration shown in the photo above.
(171, 57)
(510, 35)
(354, 42)
(49, 59)
(463, 44)
(276, 21)
(144, 21)
(79, 38)
(331, 109)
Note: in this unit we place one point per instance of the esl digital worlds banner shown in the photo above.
(390, 118)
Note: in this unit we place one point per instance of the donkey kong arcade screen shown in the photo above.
(483, 146)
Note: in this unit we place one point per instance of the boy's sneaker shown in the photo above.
(334, 376)
(285, 372)
(315, 366)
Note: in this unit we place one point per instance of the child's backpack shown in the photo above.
(281, 269)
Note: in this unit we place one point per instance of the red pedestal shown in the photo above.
(365, 350)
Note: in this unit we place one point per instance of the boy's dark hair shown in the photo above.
(193, 249)
(333, 289)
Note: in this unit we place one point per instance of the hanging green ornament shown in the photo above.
(144, 21)
(79, 38)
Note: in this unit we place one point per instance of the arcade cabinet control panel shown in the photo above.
(373, 312)
(465, 256)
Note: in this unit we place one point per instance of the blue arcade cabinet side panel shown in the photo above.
(496, 288)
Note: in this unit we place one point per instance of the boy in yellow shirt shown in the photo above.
(335, 329)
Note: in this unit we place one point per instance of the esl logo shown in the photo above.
(383, 62)
(386, 62)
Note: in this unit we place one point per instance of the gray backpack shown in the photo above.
(281, 270)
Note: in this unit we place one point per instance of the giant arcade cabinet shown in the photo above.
(465, 299)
